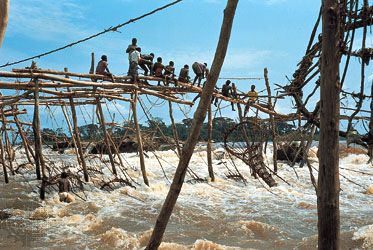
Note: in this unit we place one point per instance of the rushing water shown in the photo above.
(225, 214)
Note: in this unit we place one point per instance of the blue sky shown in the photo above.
(266, 33)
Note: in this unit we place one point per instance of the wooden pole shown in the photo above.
(77, 143)
(272, 119)
(28, 149)
(370, 135)
(4, 9)
(139, 139)
(106, 136)
(328, 178)
(209, 144)
(77, 140)
(8, 148)
(199, 117)
(39, 160)
(2, 153)
(174, 129)
(69, 126)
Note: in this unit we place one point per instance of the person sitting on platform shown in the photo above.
(134, 58)
(184, 74)
(201, 71)
(146, 62)
(169, 72)
(158, 69)
(253, 97)
(64, 189)
(102, 68)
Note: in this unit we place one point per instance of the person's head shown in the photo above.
(228, 82)
(171, 63)
(159, 59)
(104, 58)
(205, 64)
(63, 175)
(138, 49)
(186, 66)
(152, 55)
(252, 87)
(134, 41)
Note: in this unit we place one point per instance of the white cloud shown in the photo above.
(45, 20)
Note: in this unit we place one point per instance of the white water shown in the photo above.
(225, 214)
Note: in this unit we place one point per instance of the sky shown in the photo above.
(266, 33)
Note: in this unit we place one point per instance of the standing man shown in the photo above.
(132, 46)
(134, 58)
(226, 91)
(201, 71)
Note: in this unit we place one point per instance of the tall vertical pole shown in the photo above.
(8, 147)
(139, 138)
(28, 149)
(78, 144)
(273, 124)
(2, 153)
(39, 160)
(209, 143)
(370, 135)
(106, 136)
(174, 129)
(328, 180)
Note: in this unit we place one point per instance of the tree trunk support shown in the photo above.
(328, 179)
(199, 117)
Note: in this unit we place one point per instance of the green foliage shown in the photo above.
(220, 125)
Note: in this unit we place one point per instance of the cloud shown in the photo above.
(45, 20)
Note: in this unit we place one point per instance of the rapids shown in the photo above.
(225, 214)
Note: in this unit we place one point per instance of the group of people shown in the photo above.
(137, 59)
(229, 90)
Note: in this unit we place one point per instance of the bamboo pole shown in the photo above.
(209, 144)
(101, 118)
(77, 143)
(174, 129)
(328, 178)
(139, 139)
(273, 124)
(199, 117)
(39, 160)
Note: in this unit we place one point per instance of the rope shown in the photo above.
(113, 29)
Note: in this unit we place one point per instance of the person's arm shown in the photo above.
(107, 68)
